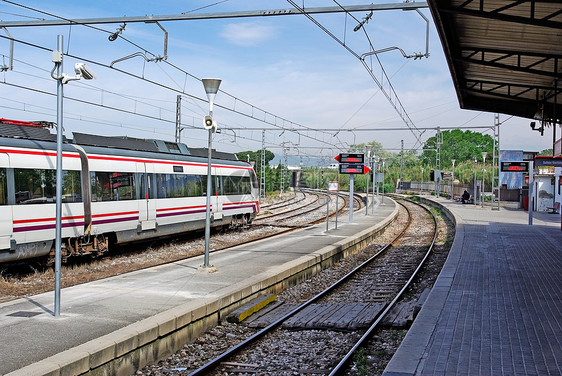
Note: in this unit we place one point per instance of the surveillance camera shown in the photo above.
(83, 70)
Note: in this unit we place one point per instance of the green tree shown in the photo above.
(458, 145)
(272, 174)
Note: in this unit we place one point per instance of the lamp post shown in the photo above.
(382, 198)
(375, 183)
(368, 148)
(474, 187)
(82, 71)
(483, 172)
(421, 184)
(453, 180)
(211, 86)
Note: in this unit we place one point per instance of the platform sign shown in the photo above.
(548, 161)
(350, 158)
(514, 166)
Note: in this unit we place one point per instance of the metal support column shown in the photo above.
(178, 119)
(283, 170)
(262, 166)
(401, 163)
(439, 141)
(496, 163)
(58, 190)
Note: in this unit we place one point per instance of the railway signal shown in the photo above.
(353, 168)
(350, 158)
(351, 164)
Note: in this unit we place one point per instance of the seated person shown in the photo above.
(465, 197)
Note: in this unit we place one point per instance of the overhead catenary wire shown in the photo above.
(294, 127)
(267, 117)
(72, 22)
(396, 103)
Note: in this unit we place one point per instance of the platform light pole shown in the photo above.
(211, 86)
(375, 183)
(474, 187)
(368, 149)
(382, 197)
(62, 78)
(483, 172)
(453, 180)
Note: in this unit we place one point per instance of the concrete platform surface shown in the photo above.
(496, 308)
(113, 316)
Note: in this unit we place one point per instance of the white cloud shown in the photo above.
(247, 34)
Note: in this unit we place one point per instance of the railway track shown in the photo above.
(308, 213)
(284, 203)
(324, 332)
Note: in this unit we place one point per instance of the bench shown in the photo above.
(554, 209)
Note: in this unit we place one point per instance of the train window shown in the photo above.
(3, 187)
(192, 185)
(113, 186)
(38, 186)
(229, 185)
(178, 185)
(204, 185)
(237, 185)
(254, 179)
(245, 185)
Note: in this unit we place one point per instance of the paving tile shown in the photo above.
(503, 313)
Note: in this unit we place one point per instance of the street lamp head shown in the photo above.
(484, 154)
(211, 86)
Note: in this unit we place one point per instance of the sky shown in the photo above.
(286, 83)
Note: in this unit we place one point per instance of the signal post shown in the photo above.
(351, 164)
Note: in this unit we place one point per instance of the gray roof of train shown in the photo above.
(41, 138)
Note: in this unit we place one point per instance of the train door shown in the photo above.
(6, 225)
(147, 193)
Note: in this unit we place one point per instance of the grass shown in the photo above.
(361, 362)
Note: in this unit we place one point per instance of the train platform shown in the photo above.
(496, 307)
(119, 324)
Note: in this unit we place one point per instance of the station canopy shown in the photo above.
(504, 55)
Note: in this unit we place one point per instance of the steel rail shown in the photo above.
(342, 365)
(281, 204)
(294, 212)
(211, 365)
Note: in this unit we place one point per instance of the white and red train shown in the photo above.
(115, 190)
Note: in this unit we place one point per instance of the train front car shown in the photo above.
(240, 195)
(115, 190)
